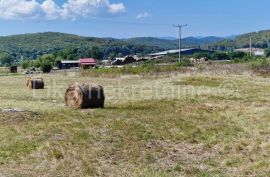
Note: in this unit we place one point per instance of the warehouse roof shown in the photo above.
(171, 52)
(70, 62)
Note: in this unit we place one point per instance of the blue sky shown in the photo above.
(134, 18)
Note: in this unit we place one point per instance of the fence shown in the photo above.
(4, 70)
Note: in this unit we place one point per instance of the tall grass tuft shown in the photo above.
(261, 66)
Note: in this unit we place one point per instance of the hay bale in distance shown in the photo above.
(35, 83)
(84, 95)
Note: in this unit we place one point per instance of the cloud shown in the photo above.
(143, 15)
(49, 10)
(13, 9)
(115, 8)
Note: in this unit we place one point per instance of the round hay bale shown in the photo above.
(84, 95)
(35, 83)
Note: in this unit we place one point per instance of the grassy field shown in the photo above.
(196, 123)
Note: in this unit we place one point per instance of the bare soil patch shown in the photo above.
(14, 118)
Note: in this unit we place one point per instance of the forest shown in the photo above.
(17, 48)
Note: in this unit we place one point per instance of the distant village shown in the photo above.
(119, 62)
(86, 63)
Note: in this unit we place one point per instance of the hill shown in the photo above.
(196, 42)
(34, 45)
(172, 44)
(260, 39)
(151, 41)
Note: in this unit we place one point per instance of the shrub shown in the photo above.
(46, 67)
(260, 63)
(261, 66)
(245, 59)
(25, 64)
(267, 52)
(202, 55)
(238, 55)
(220, 56)
(185, 63)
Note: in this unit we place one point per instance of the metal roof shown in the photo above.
(86, 61)
(70, 62)
(170, 52)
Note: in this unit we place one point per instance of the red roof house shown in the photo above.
(87, 62)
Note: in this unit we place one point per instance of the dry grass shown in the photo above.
(192, 124)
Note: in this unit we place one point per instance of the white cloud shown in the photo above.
(115, 8)
(49, 10)
(13, 9)
(143, 15)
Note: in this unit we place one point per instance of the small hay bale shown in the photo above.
(35, 83)
(84, 95)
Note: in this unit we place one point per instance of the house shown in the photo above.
(82, 63)
(68, 64)
(255, 51)
(87, 63)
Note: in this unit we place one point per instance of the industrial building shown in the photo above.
(189, 51)
(84, 63)
(254, 51)
(68, 64)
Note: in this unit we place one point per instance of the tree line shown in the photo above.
(66, 46)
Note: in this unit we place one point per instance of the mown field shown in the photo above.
(207, 123)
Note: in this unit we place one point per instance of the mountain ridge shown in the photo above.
(34, 45)
(259, 39)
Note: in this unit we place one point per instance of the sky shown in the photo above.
(134, 18)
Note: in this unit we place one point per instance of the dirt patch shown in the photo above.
(196, 107)
(182, 153)
(223, 69)
(160, 155)
(13, 118)
(205, 81)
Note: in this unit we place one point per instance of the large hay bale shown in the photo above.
(84, 95)
(35, 83)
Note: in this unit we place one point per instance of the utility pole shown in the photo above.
(180, 38)
(250, 47)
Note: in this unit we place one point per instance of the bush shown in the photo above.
(202, 55)
(267, 52)
(220, 56)
(25, 64)
(238, 55)
(46, 67)
(185, 63)
(261, 66)
(260, 63)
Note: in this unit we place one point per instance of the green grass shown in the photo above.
(208, 81)
(149, 68)
(261, 66)
(172, 125)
